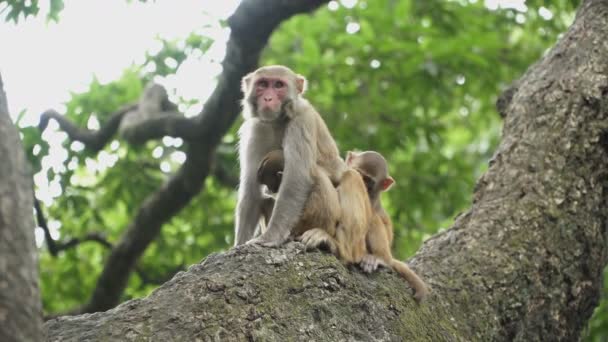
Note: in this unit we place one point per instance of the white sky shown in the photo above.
(41, 62)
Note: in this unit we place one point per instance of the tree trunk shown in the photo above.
(524, 263)
(20, 309)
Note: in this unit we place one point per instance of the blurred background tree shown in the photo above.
(414, 80)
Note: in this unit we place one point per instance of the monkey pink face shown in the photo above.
(271, 93)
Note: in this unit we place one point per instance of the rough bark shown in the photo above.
(524, 263)
(20, 310)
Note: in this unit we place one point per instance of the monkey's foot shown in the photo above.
(370, 263)
(318, 238)
(266, 242)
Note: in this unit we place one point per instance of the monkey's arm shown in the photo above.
(248, 208)
(296, 184)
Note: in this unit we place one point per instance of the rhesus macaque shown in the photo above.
(321, 222)
(277, 116)
(374, 170)
(322, 208)
(154, 104)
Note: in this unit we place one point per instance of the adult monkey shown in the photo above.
(277, 116)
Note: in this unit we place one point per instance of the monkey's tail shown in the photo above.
(421, 290)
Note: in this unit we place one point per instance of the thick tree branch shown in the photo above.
(251, 26)
(529, 254)
(94, 140)
(152, 118)
(20, 307)
(523, 264)
(155, 118)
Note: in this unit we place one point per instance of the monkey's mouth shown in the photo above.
(269, 115)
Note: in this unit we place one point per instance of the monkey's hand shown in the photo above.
(370, 263)
(318, 238)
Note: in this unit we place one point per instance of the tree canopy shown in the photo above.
(417, 81)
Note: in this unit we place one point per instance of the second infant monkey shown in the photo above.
(374, 171)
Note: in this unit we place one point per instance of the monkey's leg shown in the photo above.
(322, 209)
(248, 211)
(249, 206)
(378, 246)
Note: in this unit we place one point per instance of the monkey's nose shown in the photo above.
(268, 99)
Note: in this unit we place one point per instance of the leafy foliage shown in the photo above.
(414, 80)
(21, 9)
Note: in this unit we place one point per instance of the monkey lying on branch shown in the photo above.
(316, 229)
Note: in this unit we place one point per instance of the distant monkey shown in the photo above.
(374, 171)
(335, 218)
(153, 106)
(277, 116)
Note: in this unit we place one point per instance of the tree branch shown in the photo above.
(73, 242)
(155, 118)
(57, 246)
(20, 305)
(94, 140)
(251, 25)
(41, 220)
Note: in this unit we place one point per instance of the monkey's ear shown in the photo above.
(349, 157)
(246, 83)
(387, 183)
(301, 84)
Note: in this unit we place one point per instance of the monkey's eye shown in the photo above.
(279, 84)
(263, 84)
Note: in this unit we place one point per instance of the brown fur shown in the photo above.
(322, 209)
(374, 170)
(322, 222)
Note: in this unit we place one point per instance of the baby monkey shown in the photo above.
(374, 169)
(322, 209)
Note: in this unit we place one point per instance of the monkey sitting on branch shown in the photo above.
(277, 116)
(374, 170)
